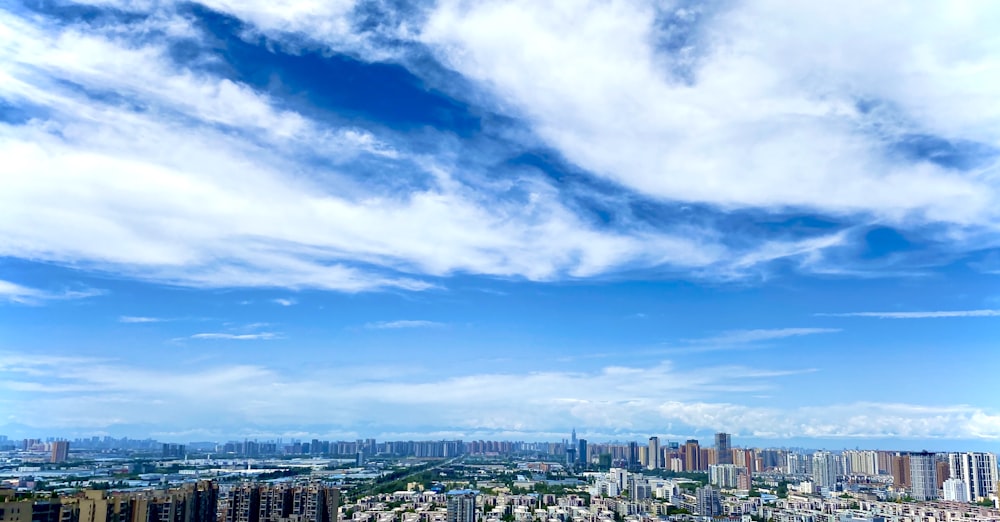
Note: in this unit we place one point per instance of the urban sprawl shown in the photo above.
(103, 479)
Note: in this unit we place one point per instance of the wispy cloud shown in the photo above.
(284, 301)
(736, 337)
(260, 336)
(267, 230)
(392, 325)
(630, 399)
(15, 293)
(616, 127)
(737, 340)
(918, 315)
(132, 319)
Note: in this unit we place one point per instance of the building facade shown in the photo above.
(462, 506)
(723, 448)
(653, 453)
(824, 469)
(955, 490)
(282, 503)
(60, 451)
(978, 471)
(923, 476)
(709, 502)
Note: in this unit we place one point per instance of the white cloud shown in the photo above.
(737, 337)
(858, 420)
(393, 325)
(622, 399)
(284, 301)
(240, 207)
(919, 315)
(140, 319)
(260, 336)
(102, 186)
(19, 294)
(769, 117)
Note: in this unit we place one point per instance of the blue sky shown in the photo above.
(500, 220)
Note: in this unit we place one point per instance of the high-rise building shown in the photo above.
(923, 476)
(282, 503)
(860, 462)
(723, 448)
(955, 489)
(943, 473)
(709, 502)
(692, 455)
(899, 465)
(653, 453)
(174, 451)
(582, 452)
(743, 457)
(725, 476)
(60, 451)
(978, 471)
(884, 462)
(798, 464)
(461, 506)
(824, 469)
(189, 503)
(633, 456)
(707, 458)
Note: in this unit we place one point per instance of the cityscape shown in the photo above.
(103, 479)
(499, 261)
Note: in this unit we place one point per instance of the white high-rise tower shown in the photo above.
(978, 471)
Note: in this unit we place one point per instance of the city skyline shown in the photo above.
(350, 219)
(282, 443)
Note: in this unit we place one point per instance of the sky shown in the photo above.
(501, 220)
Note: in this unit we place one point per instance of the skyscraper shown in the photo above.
(923, 476)
(461, 506)
(692, 455)
(282, 502)
(824, 469)
(726, 476)
(60, 451)
(633, 456)
(174, 451)
(978, 472)
(723, 448)
(653, 453)
(195, 502)
(709, 501)
(582, 452)
(899, 465)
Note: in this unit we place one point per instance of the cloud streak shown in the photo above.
(259, 336)
(619, 398)
(403, 323)
(19, 294)
(738, 337)
(939, 314)
(132, 319)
